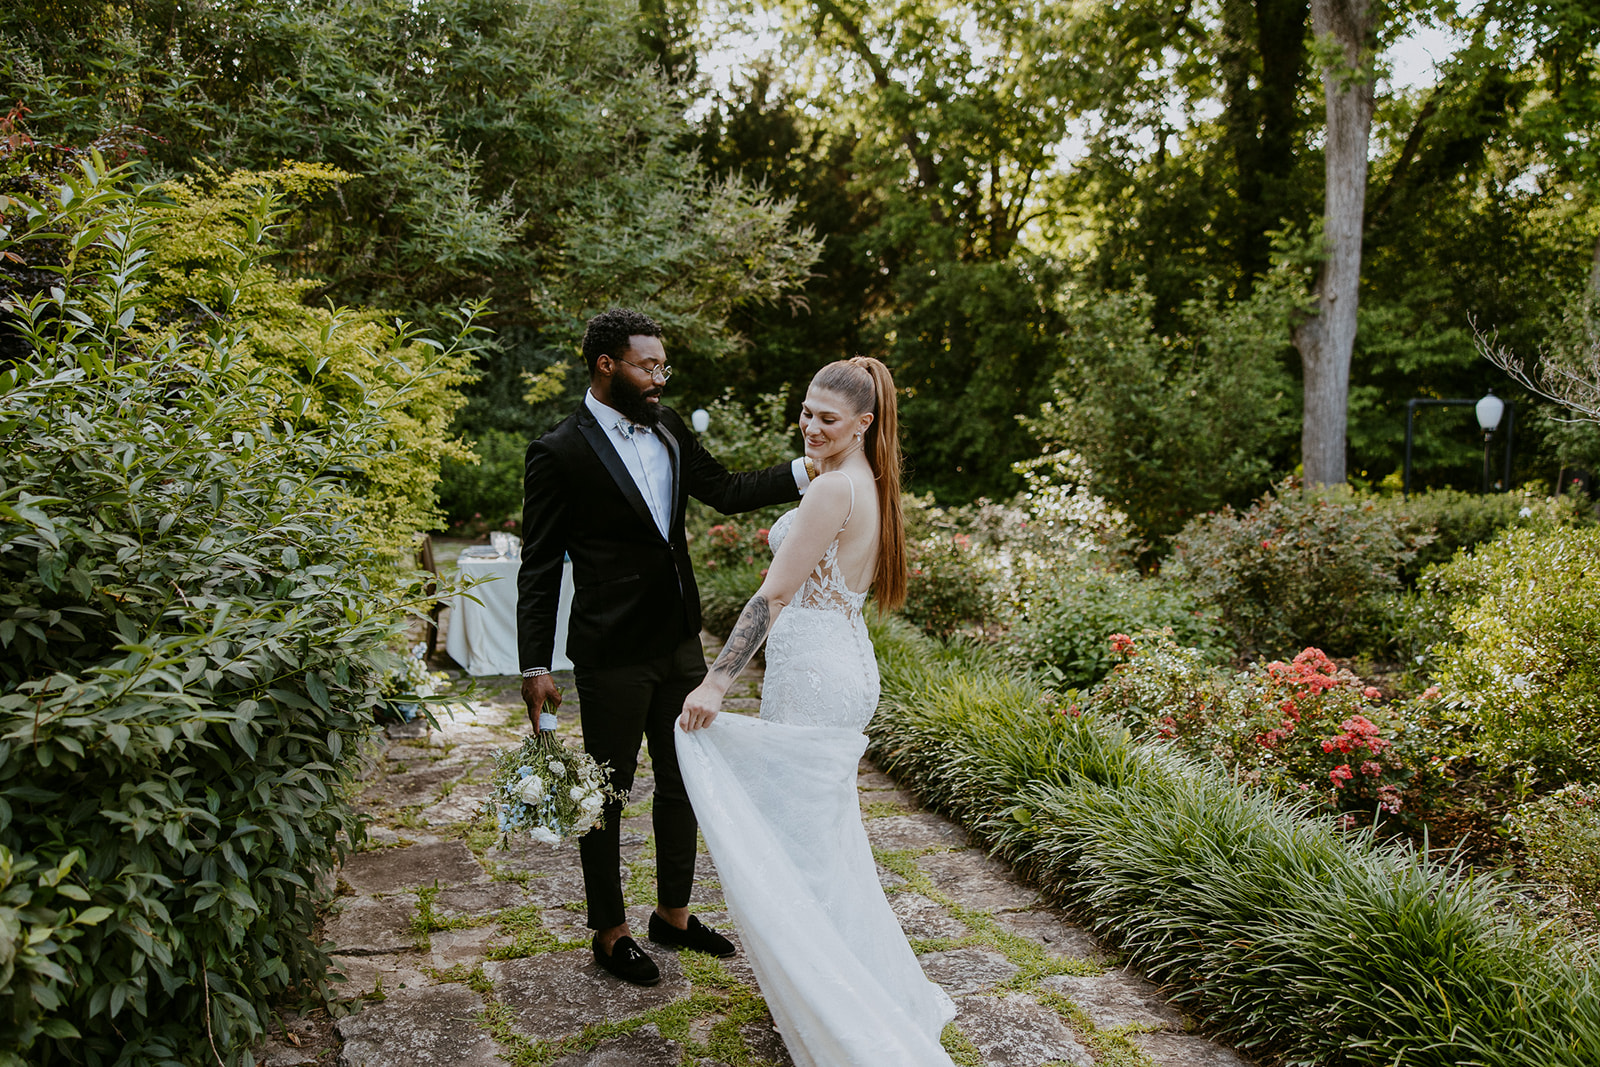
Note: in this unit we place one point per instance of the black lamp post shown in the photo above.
(1489, 409)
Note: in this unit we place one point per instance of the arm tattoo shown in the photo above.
(748, 633)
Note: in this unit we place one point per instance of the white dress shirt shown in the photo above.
(645, 455)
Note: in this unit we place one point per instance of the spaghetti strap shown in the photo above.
(852, 510)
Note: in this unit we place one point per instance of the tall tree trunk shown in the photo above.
(1326, 339)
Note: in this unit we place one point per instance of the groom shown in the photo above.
(608, 487)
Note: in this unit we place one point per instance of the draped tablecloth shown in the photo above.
(483, 636)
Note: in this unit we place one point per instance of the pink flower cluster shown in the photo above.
(1357, 732)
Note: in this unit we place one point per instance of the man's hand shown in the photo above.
(536, 692)
(700, 708)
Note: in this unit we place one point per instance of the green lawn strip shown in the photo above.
(1297, 940)
(1112, 1047)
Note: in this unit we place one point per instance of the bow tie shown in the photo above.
(627, 428)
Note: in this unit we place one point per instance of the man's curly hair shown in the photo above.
(608, 332)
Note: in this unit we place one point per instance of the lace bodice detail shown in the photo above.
(824, 588)
(820, 667)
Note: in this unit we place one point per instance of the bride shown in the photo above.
(776, 797)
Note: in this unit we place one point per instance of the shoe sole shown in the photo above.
(623, 978)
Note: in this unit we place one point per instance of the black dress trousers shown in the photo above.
(619, 707)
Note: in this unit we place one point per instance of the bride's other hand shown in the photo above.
(700, 707)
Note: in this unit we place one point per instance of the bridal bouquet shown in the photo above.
(548, 791)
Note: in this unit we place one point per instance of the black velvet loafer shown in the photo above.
(627, 961)
(699, 937)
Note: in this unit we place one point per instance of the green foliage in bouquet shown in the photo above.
(1519, 672)
(1300, 567)
(194, 624)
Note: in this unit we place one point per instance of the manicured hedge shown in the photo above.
(1288, 937)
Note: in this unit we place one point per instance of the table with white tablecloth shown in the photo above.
(482, 636)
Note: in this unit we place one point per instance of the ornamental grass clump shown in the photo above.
(1307, 944)
(195, 630)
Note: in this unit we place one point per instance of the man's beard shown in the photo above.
(629, 399)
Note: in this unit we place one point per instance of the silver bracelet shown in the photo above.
(535, 672)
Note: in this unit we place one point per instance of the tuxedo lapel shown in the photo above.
(600, 442)
(677, 474)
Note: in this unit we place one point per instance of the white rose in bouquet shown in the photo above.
(530, 790)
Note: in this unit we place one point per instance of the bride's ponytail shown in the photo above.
(882, 446)
(866, 383)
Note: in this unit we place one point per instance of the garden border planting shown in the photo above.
(1292, 939)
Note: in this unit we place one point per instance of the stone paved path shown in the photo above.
(462, 953)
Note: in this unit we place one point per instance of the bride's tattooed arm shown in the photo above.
(748, 633)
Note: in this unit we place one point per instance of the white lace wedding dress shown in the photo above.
(777, 802)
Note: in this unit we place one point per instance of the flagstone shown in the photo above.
(367, 926)
(918, 830)
(1119, 997)
(412, 787)
(470, 901)
(434, 1027)
(1058, 935)
(555, 994)
(463, 804)
(921, 918)
(644, 1047)
(446, 948)
(764, 1042)
(977, 880)
(962, 971)
(1188, 1050)
(367, 974)
(1015, 1031)
(391, 869)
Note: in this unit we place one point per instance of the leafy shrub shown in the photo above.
(1291, 939)
(1560, 835)
(194, 622)
(1459, 520)
(1299, 567)
(486, 495)
(1307, 729)
(329, 361)
(1172, 426)
(1069, 612)
(946, 587)
(1520, 673)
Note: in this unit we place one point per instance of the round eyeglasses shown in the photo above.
(663, 372)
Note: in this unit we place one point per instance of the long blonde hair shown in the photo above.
(867, 384)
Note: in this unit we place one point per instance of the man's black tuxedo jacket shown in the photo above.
(636, 596)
